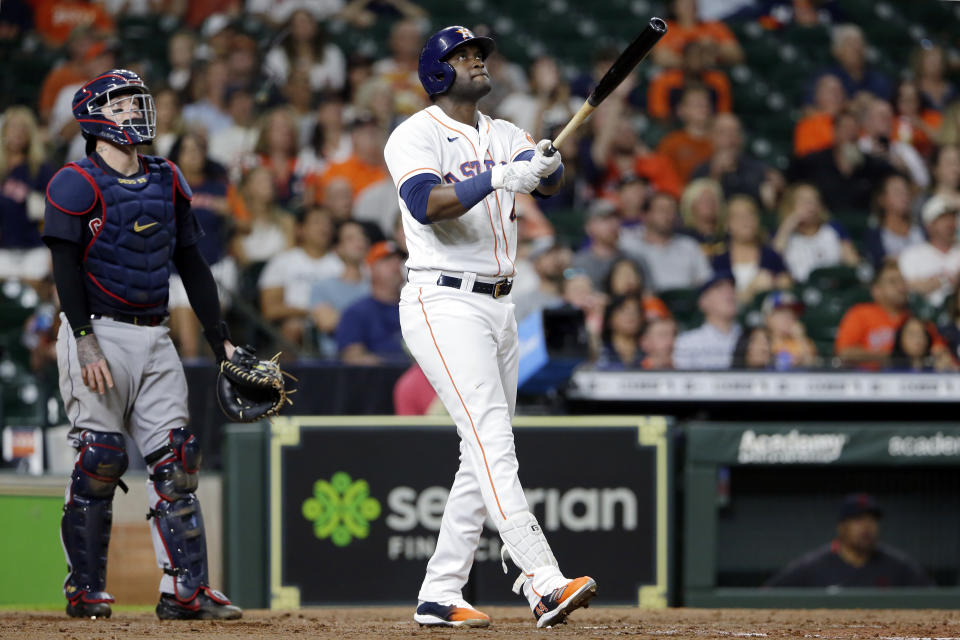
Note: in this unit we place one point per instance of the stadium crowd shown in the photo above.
(682, 246)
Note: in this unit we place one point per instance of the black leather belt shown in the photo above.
(142, 321)
(496, 289)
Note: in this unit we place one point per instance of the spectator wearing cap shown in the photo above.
(549, 264)
(814, 131)
(689, 147)
(286, 281)
(369, 329)
(932, 268)
(603, 234)
(755, 266)
(844, 175)
(789, 344)
(703, 210)
(365, 166)
(849, 49)
(866, 331)
(806, 239)
(855, 557)
(737, 171)
(711, 345)
(753, 350)
(672, 261)
(897, 230)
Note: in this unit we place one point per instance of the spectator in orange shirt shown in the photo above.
(866, 333)
(684, 26)
(363, 168)
(56, 19)
(617, 152)
(667, 87)
(814, 131)
(691, 146)
(79, 48)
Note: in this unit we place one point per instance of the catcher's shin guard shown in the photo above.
(178, 534)
(87, 516)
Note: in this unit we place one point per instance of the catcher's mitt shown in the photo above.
(249, 389)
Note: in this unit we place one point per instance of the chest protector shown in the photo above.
(127, 262)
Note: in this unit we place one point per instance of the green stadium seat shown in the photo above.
(834, 279)
(683, 304)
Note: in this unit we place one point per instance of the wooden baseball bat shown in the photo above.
(619, 70)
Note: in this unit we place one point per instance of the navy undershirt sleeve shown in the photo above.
(416, 192)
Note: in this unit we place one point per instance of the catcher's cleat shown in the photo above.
(434, 614)
(206, 605)
(90, 605)
(555, 606)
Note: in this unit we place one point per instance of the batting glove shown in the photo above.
(515, 176)
(542, 164)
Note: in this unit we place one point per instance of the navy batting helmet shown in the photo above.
(98, 103)
(436, 74)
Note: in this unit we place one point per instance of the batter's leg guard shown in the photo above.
(87, 516)
(551, 596)
(178, 534)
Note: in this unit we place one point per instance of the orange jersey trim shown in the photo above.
(462, 403)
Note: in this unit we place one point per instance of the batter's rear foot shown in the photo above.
(434, 614)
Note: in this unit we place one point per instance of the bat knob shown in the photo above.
(551, 151)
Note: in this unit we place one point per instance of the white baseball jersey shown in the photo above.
(484, 239)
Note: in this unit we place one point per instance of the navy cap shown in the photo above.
(717, 278)
(855, 504)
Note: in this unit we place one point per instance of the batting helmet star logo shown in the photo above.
(466, 33)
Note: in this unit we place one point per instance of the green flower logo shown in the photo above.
(341, 509)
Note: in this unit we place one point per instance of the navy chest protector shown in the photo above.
(127, 262)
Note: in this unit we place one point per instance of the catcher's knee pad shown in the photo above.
(88, 513)
(176, 513)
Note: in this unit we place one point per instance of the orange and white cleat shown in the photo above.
(554, 607)
(434, 614)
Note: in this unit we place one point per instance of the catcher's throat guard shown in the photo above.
(249, 389)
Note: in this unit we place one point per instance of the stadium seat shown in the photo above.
(683, 304)
(834, 279)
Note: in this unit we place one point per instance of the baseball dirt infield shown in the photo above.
(508, 622)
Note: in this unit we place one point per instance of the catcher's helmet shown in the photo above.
(436, 74)
(101, 93)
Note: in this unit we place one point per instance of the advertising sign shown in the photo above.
(356, 505)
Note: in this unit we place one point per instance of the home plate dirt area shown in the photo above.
(508, 622)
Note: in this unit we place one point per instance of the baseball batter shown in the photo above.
(457, 172)
(114, 222)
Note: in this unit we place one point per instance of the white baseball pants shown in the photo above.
(467, 345)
